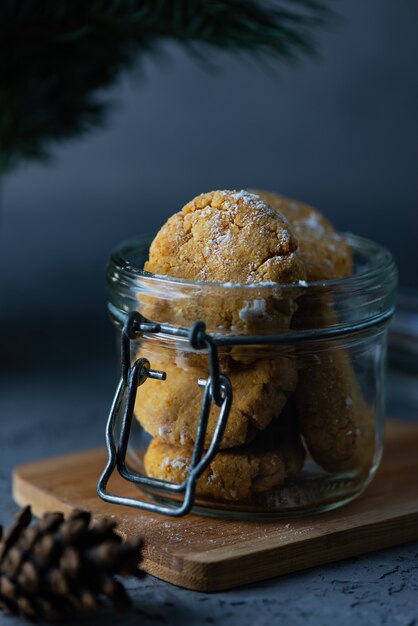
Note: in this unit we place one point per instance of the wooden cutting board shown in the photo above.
(212, 554)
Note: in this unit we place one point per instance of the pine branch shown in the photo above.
(56, 56)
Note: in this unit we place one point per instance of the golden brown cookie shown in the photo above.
(337, 424)
(325, 253)
(171, 409)
(226, 236)
(232, 238)
(335, 420)
(233, 475)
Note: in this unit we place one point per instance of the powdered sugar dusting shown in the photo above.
(164, 430)
(179, 462)
(184, 437)
(212, 477)
(253, 310)
(227, 215)
(313, 222)
(245, 195)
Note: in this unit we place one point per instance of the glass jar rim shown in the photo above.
(381, 265)
(363, 300)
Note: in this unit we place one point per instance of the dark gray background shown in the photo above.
(339, 132)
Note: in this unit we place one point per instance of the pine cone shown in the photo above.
(58, 566)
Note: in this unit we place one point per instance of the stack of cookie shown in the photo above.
(337, 424)
(278, 396)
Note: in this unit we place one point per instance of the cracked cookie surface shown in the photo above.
(226, 236)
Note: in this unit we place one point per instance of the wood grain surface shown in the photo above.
(208, 554)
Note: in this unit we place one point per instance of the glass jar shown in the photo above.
(273, 407)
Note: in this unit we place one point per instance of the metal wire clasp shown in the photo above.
(217, 389)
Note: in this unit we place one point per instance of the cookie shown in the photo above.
(337, 424)
(171, 409)
(233, 475)
(226, 236)
(232, 238)
(325, 253)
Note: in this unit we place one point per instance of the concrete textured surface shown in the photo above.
(47, 414)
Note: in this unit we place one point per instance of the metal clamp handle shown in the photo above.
(217, 389)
